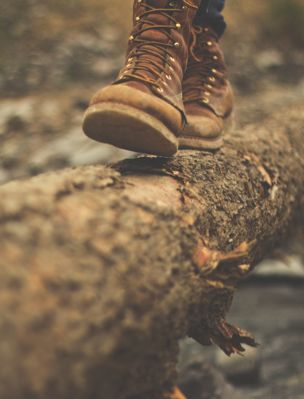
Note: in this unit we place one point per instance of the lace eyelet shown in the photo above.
(212, 79)
(205, 101)
(169, 77)
(160, 89)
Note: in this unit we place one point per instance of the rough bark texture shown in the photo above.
(103, 270)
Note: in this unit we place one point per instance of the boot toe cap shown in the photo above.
(203, 127)
(142, 100)
(202, 133)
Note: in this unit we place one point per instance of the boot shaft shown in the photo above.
(206, 77)
(177, 16)
(158, 52)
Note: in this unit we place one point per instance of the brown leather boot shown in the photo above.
(208, 96)
(143, 109)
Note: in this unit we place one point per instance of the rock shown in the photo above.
(74, 148)
(15, 123)
(105, 67)
(268, 59)
(291, 266)
(4, 177)
(203, 381)
(241, 370)
(15, 114)
(81, 104)
(273, 313)
(10, 162)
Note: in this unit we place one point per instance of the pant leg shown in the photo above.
(210, 13)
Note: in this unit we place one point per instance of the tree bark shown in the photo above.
(103, 270)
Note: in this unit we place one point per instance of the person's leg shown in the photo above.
(210, 13)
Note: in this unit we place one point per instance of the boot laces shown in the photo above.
(201, 69)
(140, 56)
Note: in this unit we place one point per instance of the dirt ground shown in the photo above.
(273, 310)
(53, 56)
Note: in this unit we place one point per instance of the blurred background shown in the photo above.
(55, 54)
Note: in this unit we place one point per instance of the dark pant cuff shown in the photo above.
(210, 13)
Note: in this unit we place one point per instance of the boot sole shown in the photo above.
(129, 128)
(207, 143)
(192, 142)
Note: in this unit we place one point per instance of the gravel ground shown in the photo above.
(273, 312)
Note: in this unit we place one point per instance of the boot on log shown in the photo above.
(143, 110)
(207, 93)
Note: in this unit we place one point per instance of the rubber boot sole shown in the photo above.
(195, 143)
(129, 128)
(206, 143)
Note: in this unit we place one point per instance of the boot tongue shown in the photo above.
(156, 34)
(158, 19)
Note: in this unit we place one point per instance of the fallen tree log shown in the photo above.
(103, 270)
